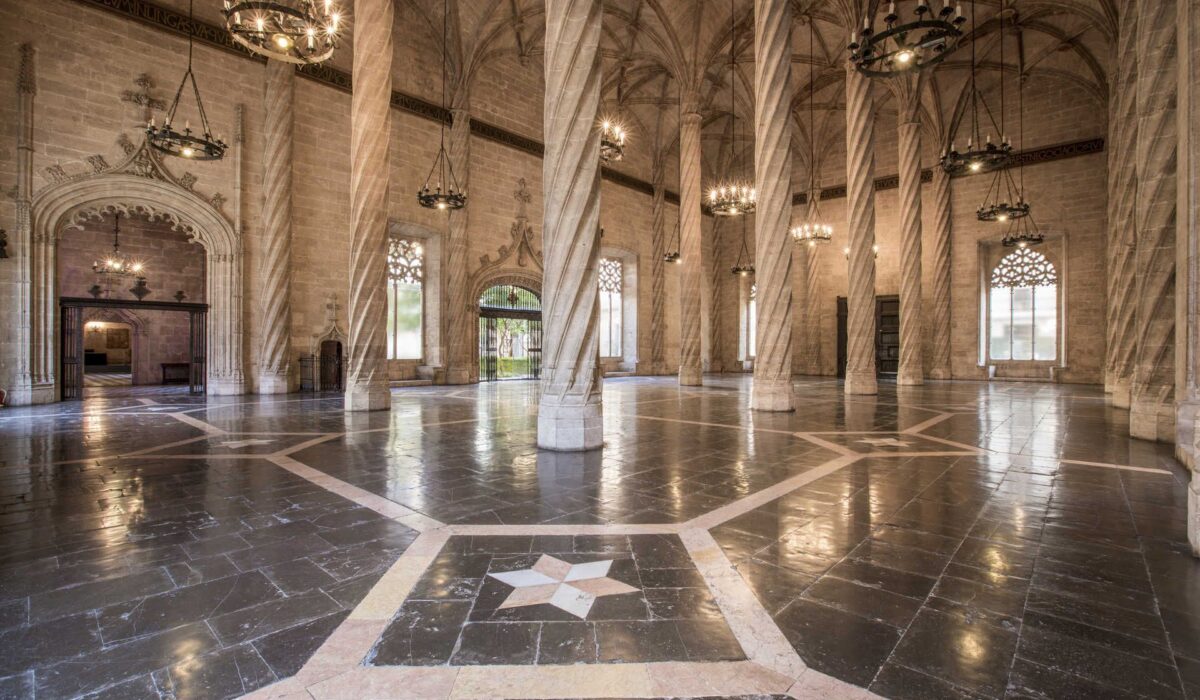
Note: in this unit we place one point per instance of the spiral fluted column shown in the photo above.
(939, 314)
(1151, 412)
(1122, 223)
(801, 320)
(274, 361)
(908, 131)
(692, 267)
(460, 351)
(772, 217)
(569, 414)
(812, 297)
(366, 356)
(658, 271)
(860, 217)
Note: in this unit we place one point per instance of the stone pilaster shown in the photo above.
(692, 266)
(860, 217)
(460, 352)
(658, 271)
(569, 414)
(908, 131)
(772, 389)
(20, 242)
(274, 361)
(1122, 223)
(1152, 411)
(939, 314)
(714, 275)
(366, 365)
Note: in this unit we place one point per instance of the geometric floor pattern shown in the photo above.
(952, 540)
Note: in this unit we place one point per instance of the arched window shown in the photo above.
(1023, 308)
(406, 277)
(611, 284)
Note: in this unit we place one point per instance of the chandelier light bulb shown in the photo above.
(904, 57)
(975, 166)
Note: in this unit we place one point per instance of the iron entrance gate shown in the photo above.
(510, 334)
(71, 336)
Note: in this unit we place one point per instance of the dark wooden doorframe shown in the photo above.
(887, 335)
(71, 338)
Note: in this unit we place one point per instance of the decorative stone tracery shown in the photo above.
(141, 184)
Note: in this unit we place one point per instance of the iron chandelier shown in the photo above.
(814, 230)
(117, 266)
(453, 196)
(673, 256)
(295, 31)
(733, 196)
(186, 143)
(981, 153)
(904, 47)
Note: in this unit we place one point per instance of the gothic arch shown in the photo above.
(139, 184)
(138, 350)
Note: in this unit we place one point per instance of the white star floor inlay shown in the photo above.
(235, 444)
(887, 442)
(570, 587)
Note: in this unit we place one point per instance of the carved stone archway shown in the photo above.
(141, 185)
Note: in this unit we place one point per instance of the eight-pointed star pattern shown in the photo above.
(570, 587)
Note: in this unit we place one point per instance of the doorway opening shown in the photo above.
(331, 369)
(107, 354)
(887, 335)
(510, 334)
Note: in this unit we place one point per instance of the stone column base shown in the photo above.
(274, 383)
(771, 395)
(1193, 523)
(225, 387)
(1185, 432)
(1152, 420)
(570, 427)
(691, 377)
(455, 375)
(369, 397)
(939, 373)
(1121, 393)
(861, 383)
(907, 377)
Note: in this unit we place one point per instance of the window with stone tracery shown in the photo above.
(1023, 308)
(406, 279)
(612, 280)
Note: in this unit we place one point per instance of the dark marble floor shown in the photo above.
(955, 540)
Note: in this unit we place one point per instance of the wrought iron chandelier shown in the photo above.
(295, 31)
(981, 153)
(735, 195)
(186, 143)
(906, 47)
(673, 256)
(116, 266)
(814, 230)
(874, 251)
(745, 265)
(1023, 231)
(612, 130)
(1009, 204)
(453, 197)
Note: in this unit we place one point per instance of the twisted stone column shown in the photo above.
(1151, 413)
(715, 272)
(860, 215)
(1122, 223)
(772, 218)
(692, 268)
(803, 322)
(1188, 406)
(274, 361)
(939, 327)
(366, 361)
(460, 351)
(569, 415)
(812, 296)
(658, 271)
(907, 90)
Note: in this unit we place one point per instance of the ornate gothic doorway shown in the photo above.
(510, 333)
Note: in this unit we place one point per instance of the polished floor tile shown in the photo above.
(953, 540)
